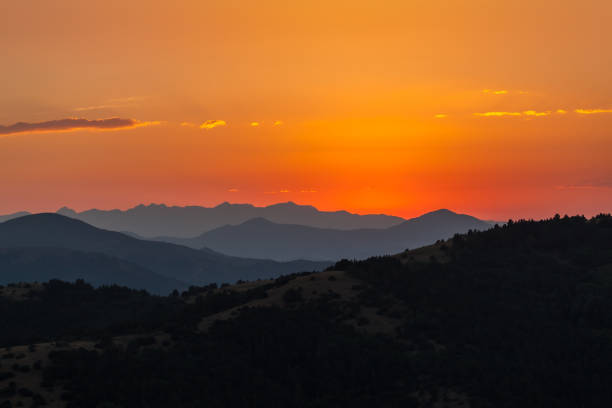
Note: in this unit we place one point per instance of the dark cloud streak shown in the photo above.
(69, 125)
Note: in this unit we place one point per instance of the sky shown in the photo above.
(497, 109)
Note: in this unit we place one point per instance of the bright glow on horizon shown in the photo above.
(400, 107)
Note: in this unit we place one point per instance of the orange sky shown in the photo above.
(497, 109)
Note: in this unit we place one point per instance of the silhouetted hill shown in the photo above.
(519, 315)
(160, 220)
(260, 238)
(430, 227)
(44, 264)
(173, 261)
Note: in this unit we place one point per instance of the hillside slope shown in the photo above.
(42, 264)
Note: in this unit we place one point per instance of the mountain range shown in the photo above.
(184, 222)
(519, 315)
(47, 246)
(40, 238)
(262, 238)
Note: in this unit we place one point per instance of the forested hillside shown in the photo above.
(517, 316)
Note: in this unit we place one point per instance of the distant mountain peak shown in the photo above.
(290, 205)
(441, 211)
(445, 217)
(66, 211)
(151, 205)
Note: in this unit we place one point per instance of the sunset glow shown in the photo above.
(399, 107)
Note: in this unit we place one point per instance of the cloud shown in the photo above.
(504, 92)
(499, 114)
(254, 124)
(440, 116)
(213, 123)
(278, 123)
(534, 113)
(233, 190)
(494, 92)
(592, 111)
(188, 124)
(72, 124)
(543, 113)
(524, 113)
(310, 190)
(283, 191)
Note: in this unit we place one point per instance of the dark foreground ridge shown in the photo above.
(516, 316)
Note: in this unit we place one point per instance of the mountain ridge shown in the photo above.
(166, 259)
(262, 238)
(184, 222)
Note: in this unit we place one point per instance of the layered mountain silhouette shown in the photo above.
(13, 216)
(261, 238)
(160, 220)
(43, 264)
(515, 316)
(179, 263)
